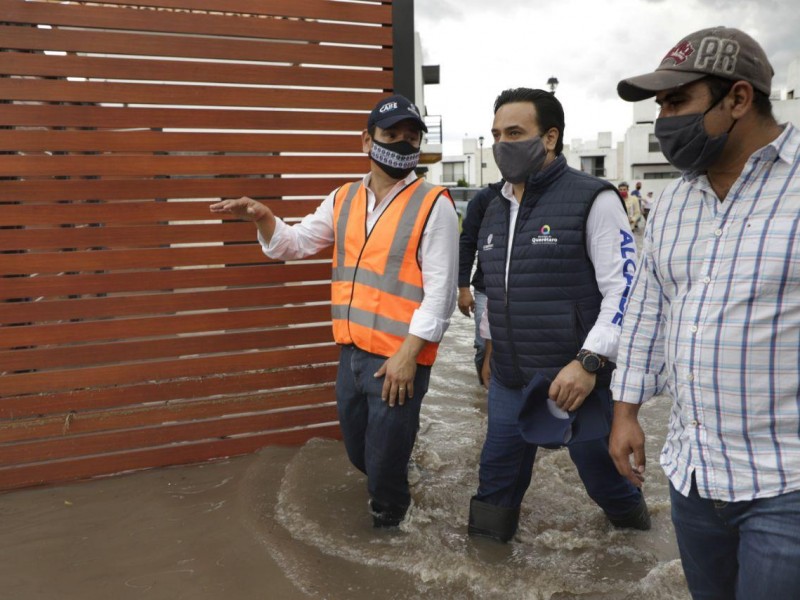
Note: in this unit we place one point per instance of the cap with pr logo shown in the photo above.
(719, 51)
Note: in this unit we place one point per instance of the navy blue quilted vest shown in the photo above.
(552, 302)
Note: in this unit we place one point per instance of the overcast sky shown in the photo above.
(485, 46)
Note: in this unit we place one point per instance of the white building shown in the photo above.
(475, 165)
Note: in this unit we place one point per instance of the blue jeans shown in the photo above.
(507, 460)
(747, 550)
(378, 438)
(480, 343)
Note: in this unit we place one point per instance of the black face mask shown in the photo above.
(397, 160)
(685, 142)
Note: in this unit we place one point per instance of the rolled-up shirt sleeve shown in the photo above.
(641, 372)
(313, 233)
(612, 250)
(439, 259)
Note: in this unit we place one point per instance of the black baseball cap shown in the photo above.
(394, 109)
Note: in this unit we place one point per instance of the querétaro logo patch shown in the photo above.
(545, 236)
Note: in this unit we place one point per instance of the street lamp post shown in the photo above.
(553, 83)
(480, 159)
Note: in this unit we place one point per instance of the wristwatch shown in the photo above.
(591, 361)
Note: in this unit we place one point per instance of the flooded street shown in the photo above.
(292, 524)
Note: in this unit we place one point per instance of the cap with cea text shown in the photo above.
(719, 51)
(394, 109)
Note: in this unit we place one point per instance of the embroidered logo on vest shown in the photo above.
(545, 237)
(489, 245)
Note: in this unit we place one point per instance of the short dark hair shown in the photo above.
(549, 111)
(719, 87)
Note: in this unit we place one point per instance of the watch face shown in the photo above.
(591, 362)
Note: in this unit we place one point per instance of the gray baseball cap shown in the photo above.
(720, 51)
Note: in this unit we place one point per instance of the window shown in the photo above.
(452, 171)
(594, 165)
(652, 143)
(665, 175)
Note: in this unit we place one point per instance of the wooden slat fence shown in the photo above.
(136, 330)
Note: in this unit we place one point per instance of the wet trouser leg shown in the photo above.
(378, 438)
(507, 464)
(611, 491)
(505, 470)
(506, 459)
(747, 550)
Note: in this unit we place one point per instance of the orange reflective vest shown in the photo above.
(377, 280)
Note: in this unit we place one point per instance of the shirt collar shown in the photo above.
(785, 147)
(400, 185)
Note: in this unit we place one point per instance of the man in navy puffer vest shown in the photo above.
(555, 306)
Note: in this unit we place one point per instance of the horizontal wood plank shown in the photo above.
(140, 215)
(130, 439)
(51, 190)
(169, 280)
(20, 140)
(69, 379)
(234, 386)
(102, 261)
(49, 311)
(149, 44)
(19, 11)
(60, 90)
(26, 64)
(150, 166)
(159, 348)
(75, 423)
(111, 237)
(119, 329)
(377, 12)
(52, 472)
(176, 118)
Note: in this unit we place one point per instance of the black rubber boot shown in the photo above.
(495, 522)
(383, 516)
(638, 518)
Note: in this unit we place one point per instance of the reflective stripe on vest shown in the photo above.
(376, 279)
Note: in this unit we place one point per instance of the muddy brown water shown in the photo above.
(292, 524)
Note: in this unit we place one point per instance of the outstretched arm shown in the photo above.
(249, 210)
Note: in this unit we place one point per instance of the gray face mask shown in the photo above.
(519, 160)
(686, 143)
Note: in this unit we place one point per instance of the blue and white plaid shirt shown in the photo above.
(714, 320)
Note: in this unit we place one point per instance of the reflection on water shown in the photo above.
(565, 548)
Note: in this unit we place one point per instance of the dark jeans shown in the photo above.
(378, 438)
(507, 461)
(746, 550)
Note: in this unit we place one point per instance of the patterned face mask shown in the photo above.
(397, 159)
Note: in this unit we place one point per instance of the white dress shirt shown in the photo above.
(438, 252)
(614, 265)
